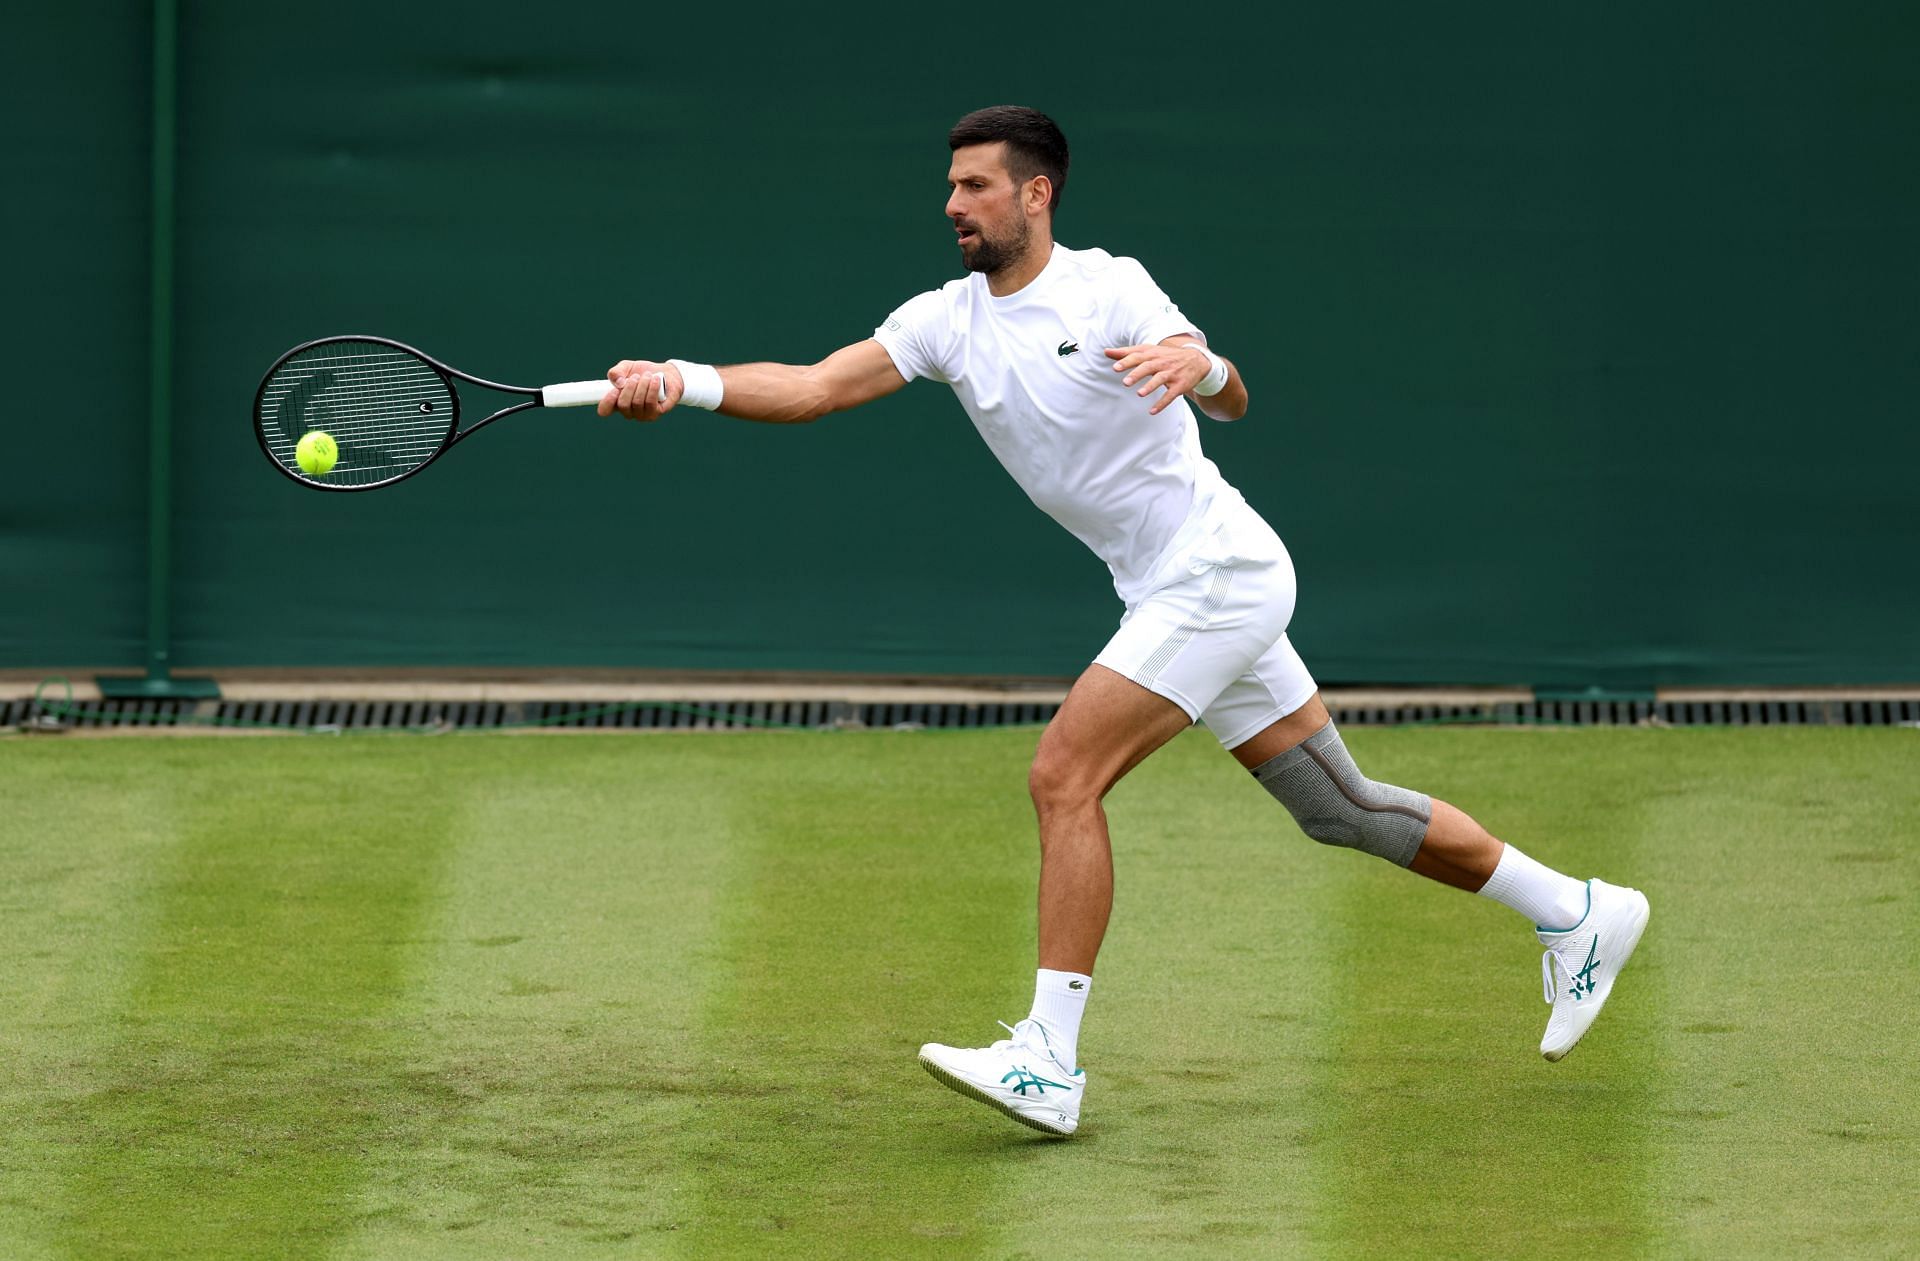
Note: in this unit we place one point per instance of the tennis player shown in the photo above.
(1083, 378)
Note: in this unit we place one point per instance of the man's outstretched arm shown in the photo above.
(779, 393)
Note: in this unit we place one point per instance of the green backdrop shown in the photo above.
(1582, 342)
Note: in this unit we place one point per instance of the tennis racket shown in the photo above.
(389, 409)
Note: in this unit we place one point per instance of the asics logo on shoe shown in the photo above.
(1076, 985)
(1583, 979)
(1023, 1077)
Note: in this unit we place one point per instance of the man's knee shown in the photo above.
(1056, 783)
(1321, 787)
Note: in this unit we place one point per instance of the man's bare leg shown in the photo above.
(1106, 727)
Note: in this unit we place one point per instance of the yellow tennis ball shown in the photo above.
(316, 454)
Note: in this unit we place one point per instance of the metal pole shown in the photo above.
(160, 345)
(158, 681)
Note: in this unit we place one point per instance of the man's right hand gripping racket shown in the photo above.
(382, 411)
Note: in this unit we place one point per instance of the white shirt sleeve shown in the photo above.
(916, 336)
(1143, 313)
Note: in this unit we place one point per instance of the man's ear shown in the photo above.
(1039, 192)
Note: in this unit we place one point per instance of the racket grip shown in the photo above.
(574, 393)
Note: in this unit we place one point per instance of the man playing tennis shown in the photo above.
(1082, 376)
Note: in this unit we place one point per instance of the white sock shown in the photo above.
(1059, 1000)
(1552, 901)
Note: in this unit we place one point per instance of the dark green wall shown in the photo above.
(1583, 345)
(74, 149)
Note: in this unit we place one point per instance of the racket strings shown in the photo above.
(387, 410)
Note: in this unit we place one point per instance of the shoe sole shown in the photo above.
(962, 1086)
(1633, 944)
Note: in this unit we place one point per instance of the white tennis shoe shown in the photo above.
(1017, 1075)
(1581, 964)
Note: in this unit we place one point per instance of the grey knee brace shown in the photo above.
(1335, 804)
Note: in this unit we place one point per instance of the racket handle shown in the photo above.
(574, 393)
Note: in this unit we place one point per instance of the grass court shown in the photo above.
(394, 996)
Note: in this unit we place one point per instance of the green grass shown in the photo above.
(631, 996)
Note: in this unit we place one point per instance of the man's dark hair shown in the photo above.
(1035, 143)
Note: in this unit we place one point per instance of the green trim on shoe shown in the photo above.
(1542, 928)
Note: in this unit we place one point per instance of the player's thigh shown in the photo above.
(1107, 725)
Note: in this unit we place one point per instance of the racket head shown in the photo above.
(390, 410)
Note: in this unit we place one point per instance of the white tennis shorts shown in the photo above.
(1214, 642)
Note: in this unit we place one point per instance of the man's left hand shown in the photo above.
(1175, 369)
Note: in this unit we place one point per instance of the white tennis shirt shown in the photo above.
(1029, 370)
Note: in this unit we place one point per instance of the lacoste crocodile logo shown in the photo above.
(1076, 985)
(1067, 348)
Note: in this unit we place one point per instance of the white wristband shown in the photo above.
(700, 384)
(1215, 380)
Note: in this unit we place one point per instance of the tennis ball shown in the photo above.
(316, 454)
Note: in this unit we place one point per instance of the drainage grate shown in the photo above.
(563, 715)
(1621, 713)
(735, 715)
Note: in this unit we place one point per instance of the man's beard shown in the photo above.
(990, 256)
